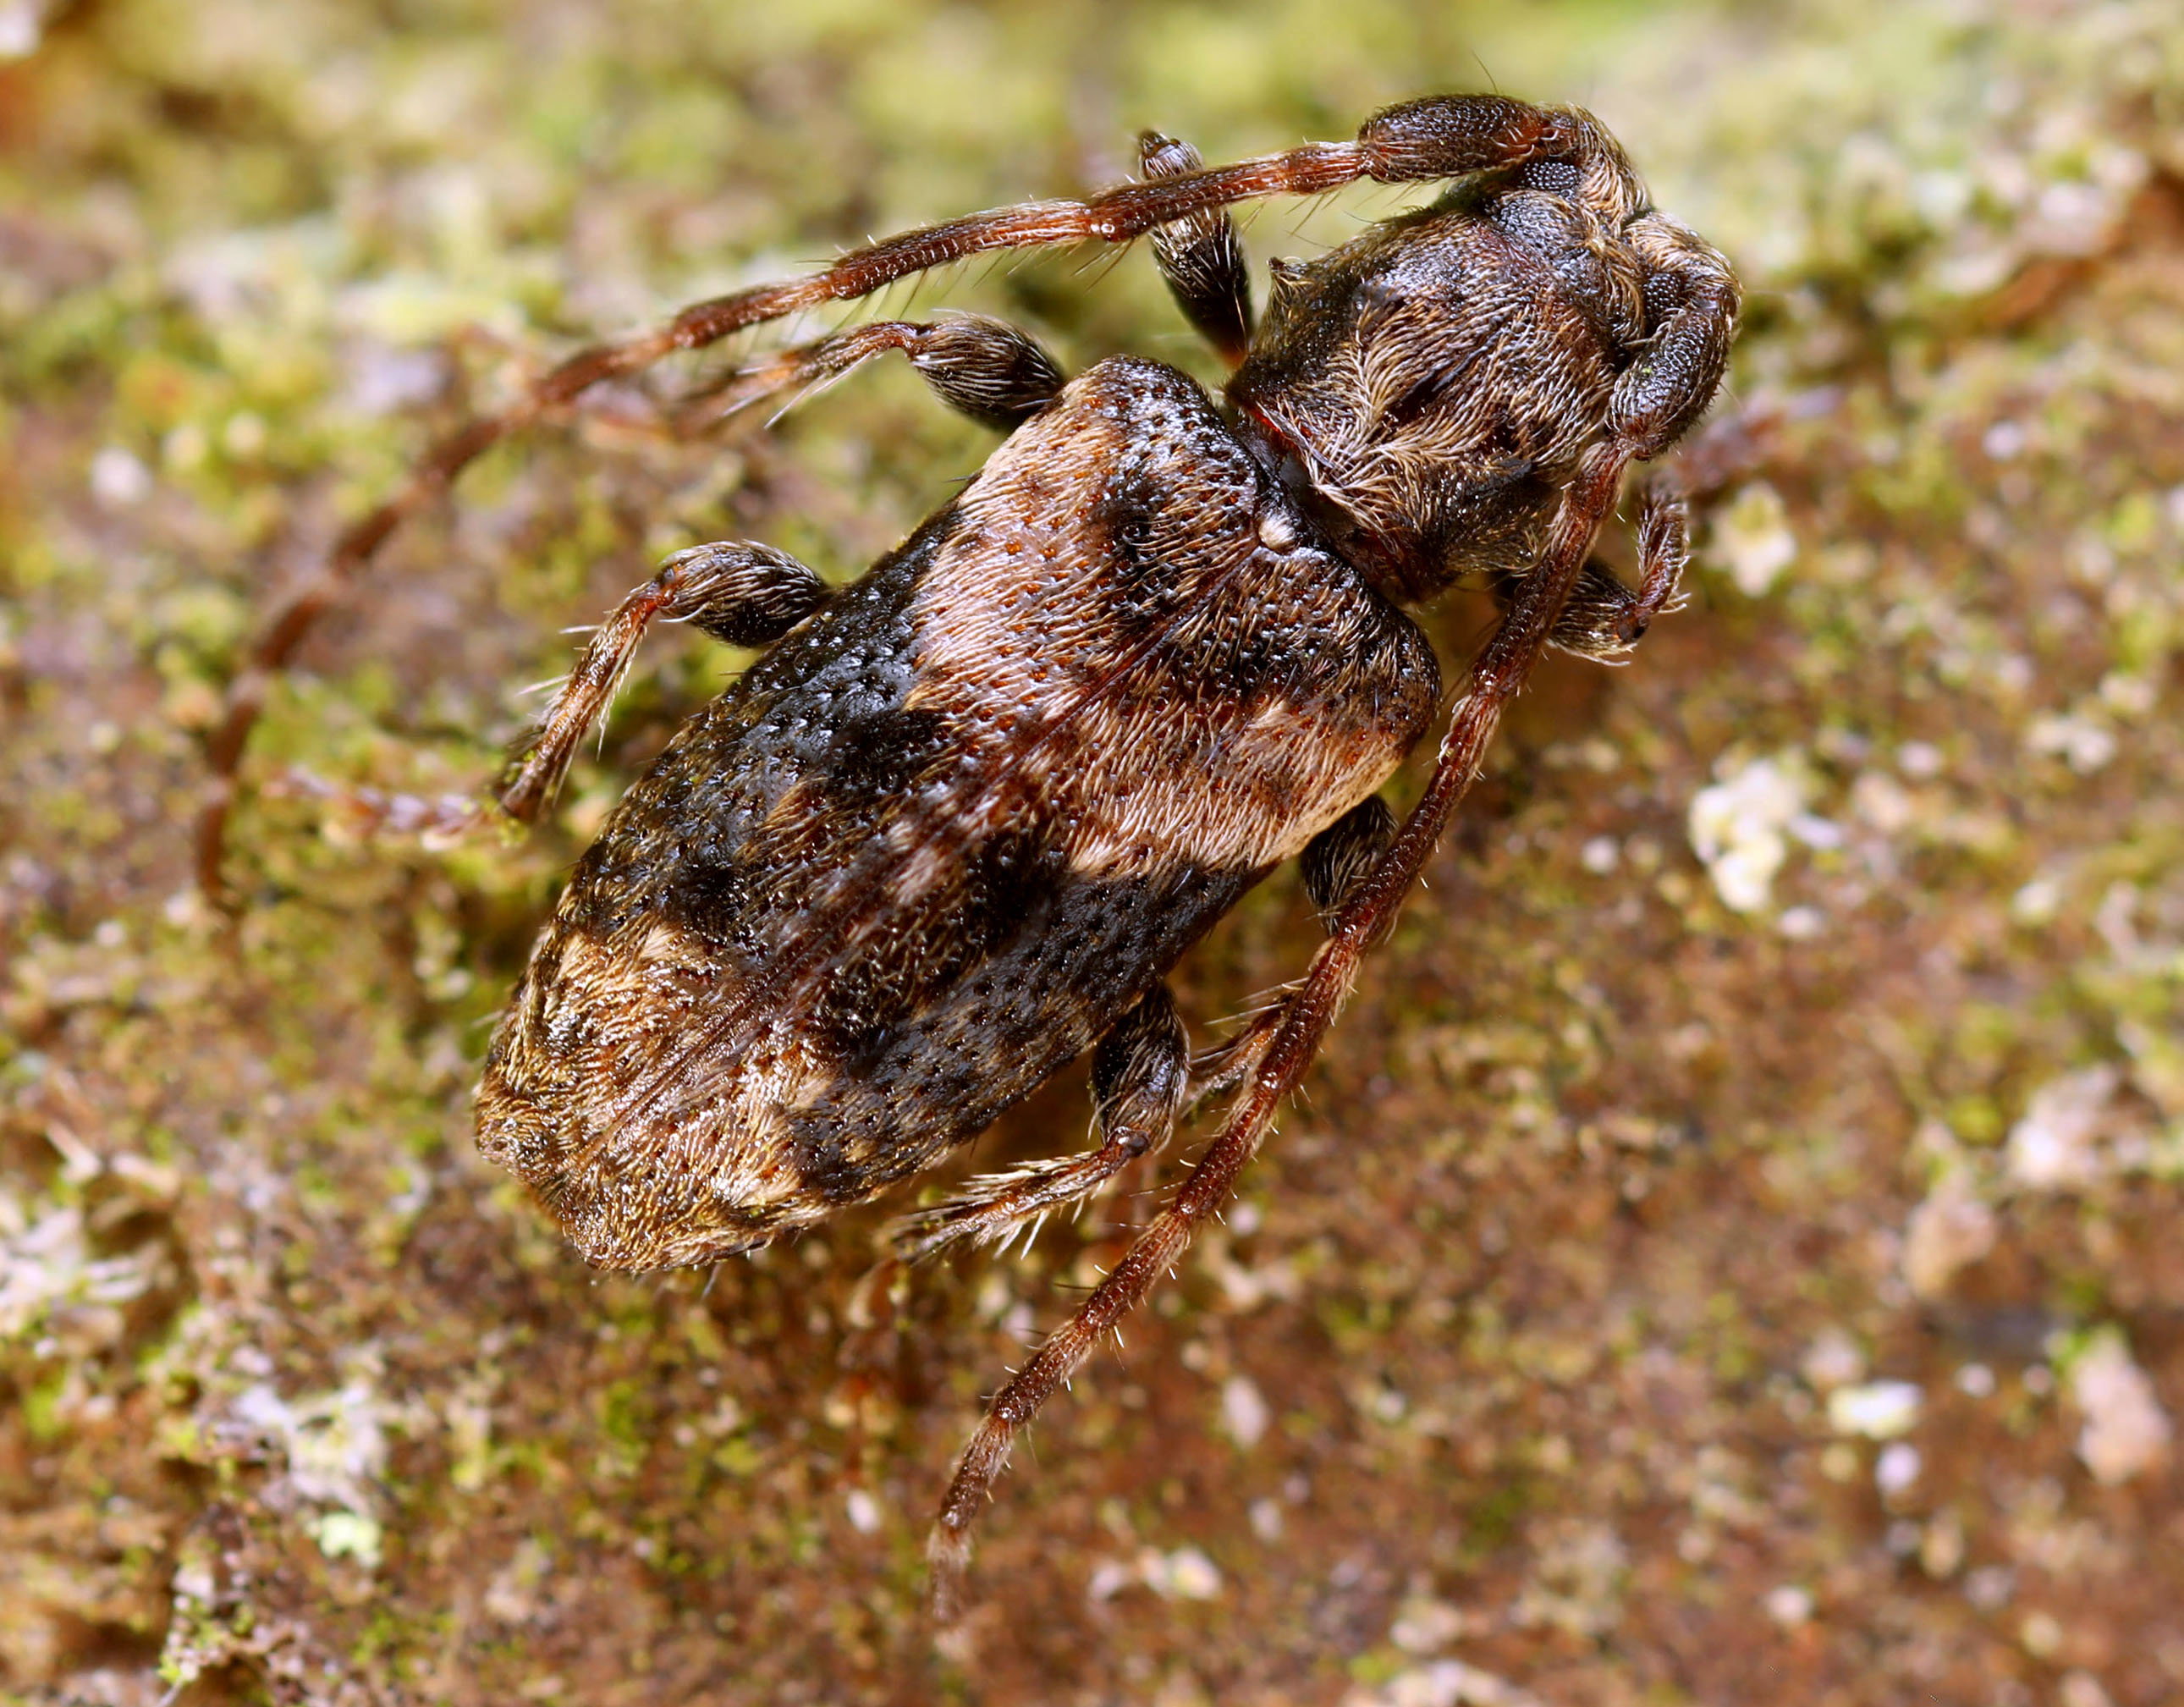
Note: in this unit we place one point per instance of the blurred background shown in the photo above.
(1729, 1252)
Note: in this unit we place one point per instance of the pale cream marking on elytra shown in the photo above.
(1195, 819)
(924, 871)
(669, 945)
(975, 606)
(731, 1151)
(607, 981)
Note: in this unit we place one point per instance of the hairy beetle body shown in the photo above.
(948, 831)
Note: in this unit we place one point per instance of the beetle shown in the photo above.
(958, 823)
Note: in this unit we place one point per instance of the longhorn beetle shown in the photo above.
(956, 824)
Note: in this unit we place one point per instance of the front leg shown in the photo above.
(1138, 1077)
(736, 590)
(1604, 619)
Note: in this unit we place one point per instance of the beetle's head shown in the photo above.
(1427, 388)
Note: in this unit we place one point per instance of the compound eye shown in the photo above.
(1556, 177)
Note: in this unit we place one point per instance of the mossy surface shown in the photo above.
(1728, 1254)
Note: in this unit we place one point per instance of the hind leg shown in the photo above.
(1138, 1077)
(1332, 864)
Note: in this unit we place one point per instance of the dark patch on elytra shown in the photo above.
(986, 1038)
(1000, 889)
(697, 842)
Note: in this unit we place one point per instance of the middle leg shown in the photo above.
(996, 373)
(1334, 864)
(1200, 256)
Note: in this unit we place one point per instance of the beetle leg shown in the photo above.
(1138, 1077)
(1604, 619)
(1200, 256)
(1343, 855)
(1228, 1063)
(745, 593)
(1333, 863)
(1500, 670)
(985, 368)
